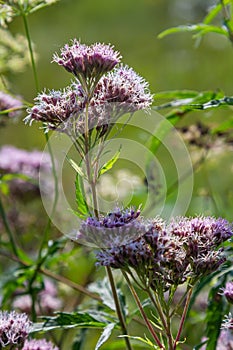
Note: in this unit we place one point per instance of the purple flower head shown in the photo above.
(228, 322)
(39, 344)
(135, 254)
(7, 102)
(14, 328)
(228, 291)
(125, 88)
(47, 300)
(18, 161)
(87, 62)
(55, 108)
(112, 230)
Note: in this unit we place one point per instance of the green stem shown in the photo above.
(25, 22)
(189, 294)
(149, 325)
(118, 307)
(8, 229)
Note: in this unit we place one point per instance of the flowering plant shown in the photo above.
(164, 260)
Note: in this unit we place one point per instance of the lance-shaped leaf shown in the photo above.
(82, 210)
(105, 335)
(75, 166)
(67, 320)
(109, 164)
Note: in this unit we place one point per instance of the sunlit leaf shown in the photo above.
(75, 166)
(201, 27)
(109, 164)
(82, 210)
(105, 335)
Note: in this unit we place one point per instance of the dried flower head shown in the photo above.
(19, 7)
(112, 230)
(9, 105)
(39, 344)
(6, 15)
(87, 62)
(228, 292)
(14, 328)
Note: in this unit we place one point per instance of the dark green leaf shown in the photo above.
(82, 209)
(215, 313)
(68, 320)
(109, 164)
(105, 335)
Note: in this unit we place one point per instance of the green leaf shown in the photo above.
(103, 289)
(177, 94)
(215, 313)
(67, 320)
(75, 166)
(105, 335)
(109, 164)
(82, 210)
(201, 28)
(226, 126)
(145, 340)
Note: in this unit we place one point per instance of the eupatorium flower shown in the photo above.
(111, 230)
(228, 291)
(120, 91)
(124, 87)
(169, 254)
(46, 303)
(14, 328)
(87, 62)
(39, 344)
(8, 102)
(55, 108)
(18, 161)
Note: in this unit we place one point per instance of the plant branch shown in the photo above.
(149, 325)
(189, 294)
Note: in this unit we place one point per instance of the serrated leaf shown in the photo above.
(109, 164)
(105, 335)
(75, 166)
(82, 210)
(67, 320)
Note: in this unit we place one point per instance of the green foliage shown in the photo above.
(200, 29)
(82, 207)
(67, 320)
(109, 164)
(215, 313)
